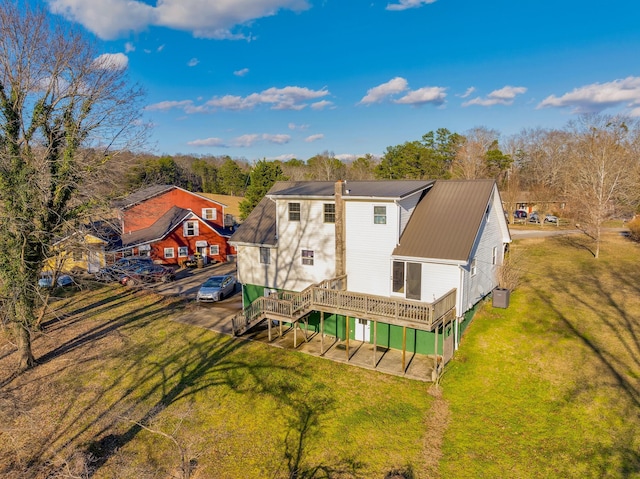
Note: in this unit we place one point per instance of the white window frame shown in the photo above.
(294, 211)
(265, 255)
(379, 215)
(474, 267)
(214, 250)
(183, 251)
(329, 216)
(169, 253)
(210, 214)
(191, 224)
(308, 257)
(494, 255)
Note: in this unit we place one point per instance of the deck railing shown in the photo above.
(331, 296)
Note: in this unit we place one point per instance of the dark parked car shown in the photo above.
(153, 273)
(520, 214)
(216, 288)
(121, 267)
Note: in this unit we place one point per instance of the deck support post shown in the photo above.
(375, 342)
(435, 354)
(346, 332)
(280, 327)
(404, 347)
(269, 328)
(295, 334)
(321, 333)
(306, 329)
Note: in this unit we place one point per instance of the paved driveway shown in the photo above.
(215, 316)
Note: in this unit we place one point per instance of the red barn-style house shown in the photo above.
(171, 225)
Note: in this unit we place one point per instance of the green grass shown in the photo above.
(550, 386)
(240, 409)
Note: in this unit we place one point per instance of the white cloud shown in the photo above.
(321, 105)
(406, 4)
(129, 47)
(293, 126)
(111, 61)
(169, 105)
(207, 142)
(421, 96)
(277, 139)
(241, 73)
(110, 19)
(467, 92)
(597, 97)
(380, 92)
(312, 138)
(503, 96)
(287, 98)
(193, 62)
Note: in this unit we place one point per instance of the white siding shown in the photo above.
(438, 279)
(369, 247)
(407, 205)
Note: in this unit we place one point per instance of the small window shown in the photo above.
(329, 213)
(307, 257)
(265, 255)
(209, 213)
(494, 255)
(294, 211)
(214, 250)
(191, 228)
(183, 251)
(169, 253)
(474, 267)
(380, 215)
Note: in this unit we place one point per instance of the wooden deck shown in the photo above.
(331, 296)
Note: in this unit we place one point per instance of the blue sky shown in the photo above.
(281, 79)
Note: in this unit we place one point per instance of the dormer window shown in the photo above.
(380, 215)
(191, 228)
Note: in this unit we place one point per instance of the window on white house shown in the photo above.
(329, 213)
(294, 211)
(398, 276)
(265, 255)
(214, 250)
(474, 267)
(191, 228)
(494, 255)
(307, 257)
(183, 251)
(169, 253)
(209, 213)
(380, 215)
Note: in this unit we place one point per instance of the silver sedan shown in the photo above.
(216, 288)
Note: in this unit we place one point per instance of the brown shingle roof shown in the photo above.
(444, 225)
(259, 227)
(365, 189)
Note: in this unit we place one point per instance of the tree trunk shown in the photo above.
(25, 355)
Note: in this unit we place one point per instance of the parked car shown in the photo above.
(121, 267)
(547, 219)
(216, 288)
(153, 273)
(520, 214)
(46, 280)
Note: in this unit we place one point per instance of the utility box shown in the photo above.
(501, 298)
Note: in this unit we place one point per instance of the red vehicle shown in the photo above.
(153, 273)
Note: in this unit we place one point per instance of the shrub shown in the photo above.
(634, 228)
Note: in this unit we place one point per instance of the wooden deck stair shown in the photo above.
(332, 297)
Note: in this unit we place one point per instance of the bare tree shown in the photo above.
(604, 168)
(470, 160)
(64, 112)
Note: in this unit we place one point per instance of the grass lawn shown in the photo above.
(122, 382)
(549, 387)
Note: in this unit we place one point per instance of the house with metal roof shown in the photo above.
(392, 263)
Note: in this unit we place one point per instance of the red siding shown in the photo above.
(176, 239)
(146, 213)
